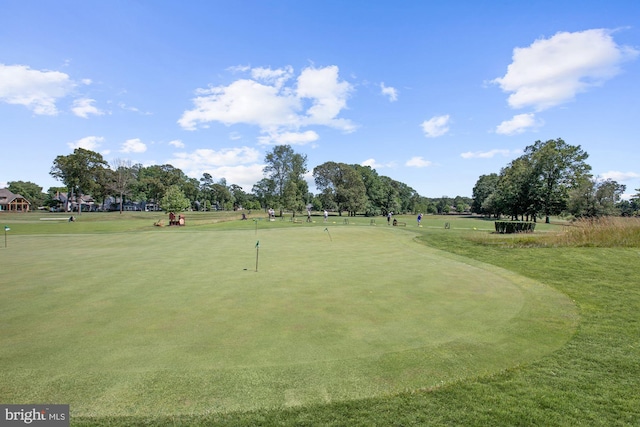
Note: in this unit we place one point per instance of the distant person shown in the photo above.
(308, 215)
(419, 219)
(326, 215)
(389, 218)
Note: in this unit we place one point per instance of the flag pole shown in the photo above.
(257, 252)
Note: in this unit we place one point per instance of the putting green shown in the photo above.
(179, 321)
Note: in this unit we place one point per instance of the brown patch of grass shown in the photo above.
(605, 232)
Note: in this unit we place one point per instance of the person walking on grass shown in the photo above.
(326, 215)
(419, 219)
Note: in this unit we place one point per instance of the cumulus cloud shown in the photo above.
(391, 92)
(237, 165)
(436, 126)
(620, 176)
(418, 162)
(35, 89)
(134, 145)
(552, 71)
(275, 102)
(518, 124)
(176, 143)
(84, 106)
(486, 154)
(88, 143)
(290, 138)
(373, 164)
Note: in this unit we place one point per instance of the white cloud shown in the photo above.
(88, 143)
(243, 101)
(176, 143)
(317, 98)
(620, 176)
(375, 165)
(34, 89)
(276, 77)
(391, 92)
(290, 138)
(134, 145)
(486, 154)
(518, 124)
(237, 165)
(84, 106)
(418, 162)
(436, 126)
(552, 71)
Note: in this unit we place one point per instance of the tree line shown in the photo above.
(550, 178)
(343, 188)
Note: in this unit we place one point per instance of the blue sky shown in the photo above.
(430, 93)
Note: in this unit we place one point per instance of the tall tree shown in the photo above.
(80, 172)
(485, 186)
(373, 188)
(264, 191)
(284, 167)
(593, 198)
(558, 167)
(121, 179)
(30, 191)
(341, 186)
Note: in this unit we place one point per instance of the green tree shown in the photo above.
(286, 169)
(593, 198)
(485, 186)
(557, 167)
(517, 186)
(80, 172)
(341, 187)
(373, 189)
(174, 200)
(30, 191)
(265, 192)
(153, 181)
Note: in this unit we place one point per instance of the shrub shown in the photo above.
(508, 227)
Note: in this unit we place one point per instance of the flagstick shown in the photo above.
(257, 252)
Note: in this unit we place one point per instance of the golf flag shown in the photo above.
(6, 228)
(258, 244)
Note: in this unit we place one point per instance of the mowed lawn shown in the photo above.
(178, 321)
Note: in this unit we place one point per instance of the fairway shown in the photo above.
(175, 321)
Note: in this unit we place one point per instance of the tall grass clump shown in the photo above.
(604, 232)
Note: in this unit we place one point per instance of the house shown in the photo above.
(10, 202)
(87, 203)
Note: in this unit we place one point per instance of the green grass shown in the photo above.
(592, 379)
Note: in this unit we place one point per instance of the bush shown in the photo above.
(508, 227)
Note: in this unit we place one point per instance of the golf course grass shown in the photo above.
(135, 320)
